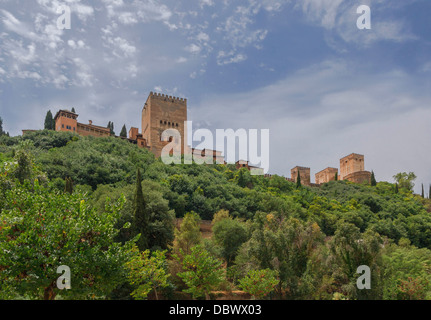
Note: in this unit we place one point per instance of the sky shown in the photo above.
(300, 68)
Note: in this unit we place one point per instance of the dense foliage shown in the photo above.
(308, 241)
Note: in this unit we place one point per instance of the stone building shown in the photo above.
(246, 164)
(162, 112)
(66, 120)
(304, 173)
(326, 175)
(352, 168)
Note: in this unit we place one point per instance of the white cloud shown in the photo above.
(329, 110)
(193, 48)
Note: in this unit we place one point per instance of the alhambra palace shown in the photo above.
(162, 112)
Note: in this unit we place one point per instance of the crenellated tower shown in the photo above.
(162, 112)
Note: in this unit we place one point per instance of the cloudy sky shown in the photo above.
(300, 68)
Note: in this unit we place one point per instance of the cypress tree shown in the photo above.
(373, 179)
(1, 127)
(141, 218)
(429, 193)
(423, 192)
(49, 121)
(298, 181)
(336, 176)
(69, 185)
(123, 132)
(73, 110)
(396, 188)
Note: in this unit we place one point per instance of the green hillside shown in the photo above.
(313, 239)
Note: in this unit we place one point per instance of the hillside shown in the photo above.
(302, 228)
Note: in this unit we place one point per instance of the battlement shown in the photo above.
(162, 96)
(353, 155)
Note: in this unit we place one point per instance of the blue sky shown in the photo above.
(302, 69)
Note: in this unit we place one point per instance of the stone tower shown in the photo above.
(351, 164)
(326, 175)
(304, 174)
(162, 112)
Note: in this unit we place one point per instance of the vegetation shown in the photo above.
(49, 121)
(129, 226)
(123, 132)
(2, 132)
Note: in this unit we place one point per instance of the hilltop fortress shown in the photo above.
(162, 112)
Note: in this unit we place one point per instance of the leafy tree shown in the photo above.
(405, 180)
(201, 272)
(230, 234)
(259, 283)
(351, 249)
(188, 235)
(373, 179)
(141, 217)
(49, 121)
(284, 245)
(219, 216)
(148, 272)
(43, 230)
(406, 272)
(123, 132)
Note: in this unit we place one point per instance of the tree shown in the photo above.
(351, 249)
(111, 127)
(69, 185)
(49, 121)
(284, 245)
(405, 180)
(141, 220)
(336, 176)
(201, 272)
(373, 179)
(219, 216)
(148, 272)
(259, 283)
(298, 181)
(423, 191)
(73, 110)
(396, 188)
(429, 193)
(406, 272)
(24, 169)
(229, 234)
(123, 132)
(188, 235)
(1, 127)
(43, 230)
